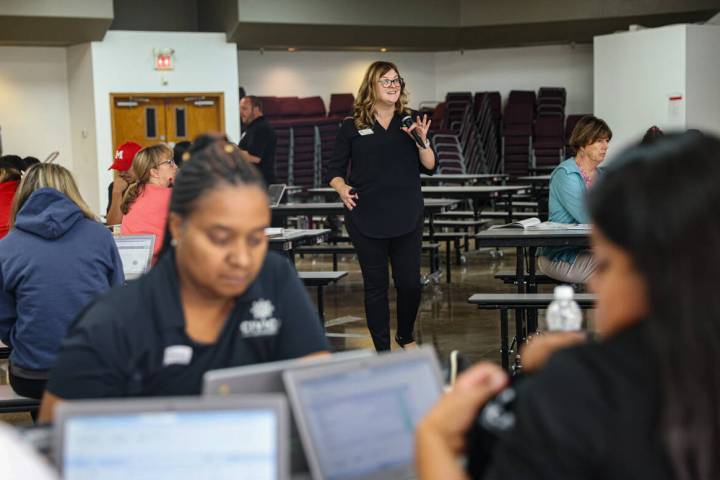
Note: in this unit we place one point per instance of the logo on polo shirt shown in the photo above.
(263, 323)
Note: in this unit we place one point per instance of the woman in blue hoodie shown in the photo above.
(54, 261)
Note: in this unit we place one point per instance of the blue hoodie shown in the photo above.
(52, 264)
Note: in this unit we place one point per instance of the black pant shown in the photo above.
(404, 254)
(26, 387)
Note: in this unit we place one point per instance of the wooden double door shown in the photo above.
(165, 118)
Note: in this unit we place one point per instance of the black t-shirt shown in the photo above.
(132, 341)
(385, 171)
(592, 412)
(259, 140)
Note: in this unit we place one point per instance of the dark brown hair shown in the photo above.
(588, 130)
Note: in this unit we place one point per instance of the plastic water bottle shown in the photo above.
(563, 314)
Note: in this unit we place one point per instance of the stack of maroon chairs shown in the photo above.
(548, 141)
(517, 124)
(341, 106)
(570, 123)
(456, 104)
(551, 102)
(271, 110)
(305, 135)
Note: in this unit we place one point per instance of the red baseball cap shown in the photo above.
(124, 156)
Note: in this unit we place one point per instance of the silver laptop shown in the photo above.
(136, 253)
(275, 193)
(267, 378)
(173, 438)
(357, 419)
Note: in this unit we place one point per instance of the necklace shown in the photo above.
(587, 179)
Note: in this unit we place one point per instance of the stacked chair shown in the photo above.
(517, 126)
(305, 135)
(570, 123)
(549, 128)
(467, 139)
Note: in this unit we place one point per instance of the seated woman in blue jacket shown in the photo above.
(569, 183)
(54, 261)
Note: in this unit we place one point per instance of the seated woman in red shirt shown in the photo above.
(146, 201)
(9, 180)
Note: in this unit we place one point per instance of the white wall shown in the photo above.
(703, 78)
(306, 74)
(429, 75)
(527, 68)
(34, 114)
(123, 63)
(635, 72)
(83, 132)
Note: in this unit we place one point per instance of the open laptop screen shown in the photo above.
(361, 422)
(135, 253)
(172, 445)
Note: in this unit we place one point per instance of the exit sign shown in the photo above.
(164, 61)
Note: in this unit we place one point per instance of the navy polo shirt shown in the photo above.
(132, 341)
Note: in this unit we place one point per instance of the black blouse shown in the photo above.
(385, 170)
(593, 412)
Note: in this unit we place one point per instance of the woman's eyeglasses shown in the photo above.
(395, 82)
(166, 162)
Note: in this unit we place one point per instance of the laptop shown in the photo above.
(173, 438)
(357, 419)
(275, 193)
(267, 378)
(136, 253)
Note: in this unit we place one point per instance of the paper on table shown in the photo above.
(274, 232)
(559, 226)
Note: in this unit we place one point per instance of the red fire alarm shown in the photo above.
(164, 59)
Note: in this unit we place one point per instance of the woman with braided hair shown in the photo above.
(216, 298)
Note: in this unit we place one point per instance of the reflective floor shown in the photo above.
(445, 319)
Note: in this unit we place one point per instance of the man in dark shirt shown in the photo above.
(257, 144)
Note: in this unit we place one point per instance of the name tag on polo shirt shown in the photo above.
(177, 355)
(366, 131)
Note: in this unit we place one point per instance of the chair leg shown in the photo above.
(321, 305)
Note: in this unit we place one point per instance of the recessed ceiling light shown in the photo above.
(383, 50)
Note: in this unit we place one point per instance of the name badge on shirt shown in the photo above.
(366, 131)
(177, 355)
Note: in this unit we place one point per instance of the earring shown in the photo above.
(173, 243)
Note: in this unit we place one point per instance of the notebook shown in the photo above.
(357, 419)
(173, 438)
(135, 253)
(535, 224)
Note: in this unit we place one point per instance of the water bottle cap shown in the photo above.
(564, 292)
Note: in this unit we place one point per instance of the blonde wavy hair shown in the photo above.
(48, 175)
(144, 161)
(364, 106)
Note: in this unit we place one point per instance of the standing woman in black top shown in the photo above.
(382, 195)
